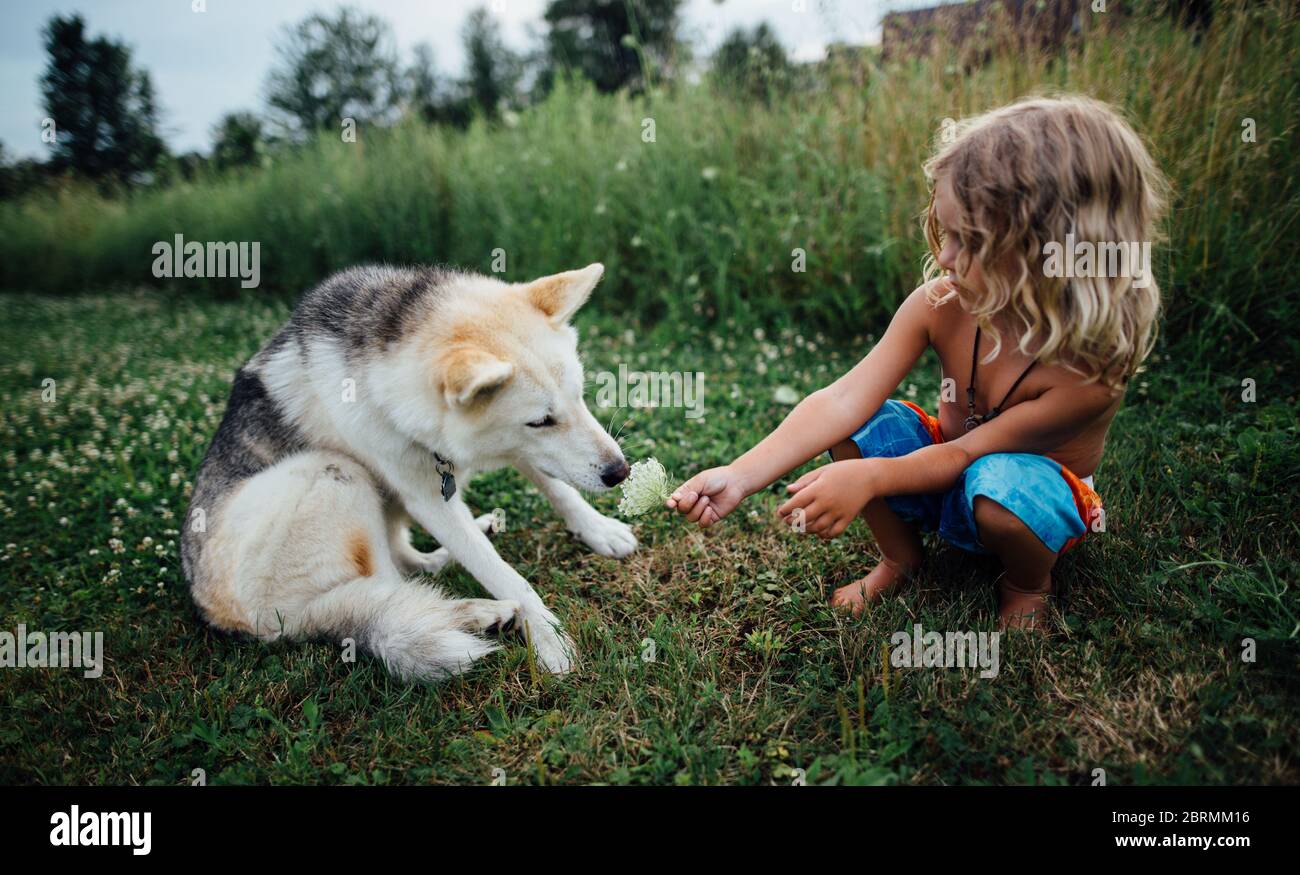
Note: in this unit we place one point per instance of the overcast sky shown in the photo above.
(206, 64)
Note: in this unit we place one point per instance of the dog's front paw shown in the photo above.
(553, 649)
(554, 657)
(608, 537)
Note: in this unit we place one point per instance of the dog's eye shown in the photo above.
(544, 422)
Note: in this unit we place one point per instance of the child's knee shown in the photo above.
(996, 524)
(844, 450)
(1007, 497)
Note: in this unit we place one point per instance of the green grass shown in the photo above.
(752, 676)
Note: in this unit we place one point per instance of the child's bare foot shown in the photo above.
(883, 578)
(1024, 609)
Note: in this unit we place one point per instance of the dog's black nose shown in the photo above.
(614, 474)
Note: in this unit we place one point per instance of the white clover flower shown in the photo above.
(645, 488)
(786, 395)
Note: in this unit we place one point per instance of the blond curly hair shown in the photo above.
(1033, 174)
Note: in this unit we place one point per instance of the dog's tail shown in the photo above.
(417, 632)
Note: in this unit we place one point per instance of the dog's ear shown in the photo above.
(469, 374)
(560, 296)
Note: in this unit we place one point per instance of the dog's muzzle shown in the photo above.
(614, 474)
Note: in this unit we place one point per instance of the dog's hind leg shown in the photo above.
(307, 547)
(410, 560)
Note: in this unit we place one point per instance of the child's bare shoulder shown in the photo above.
(934, 294)
(922, 303)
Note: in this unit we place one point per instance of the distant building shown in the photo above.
(971, 30)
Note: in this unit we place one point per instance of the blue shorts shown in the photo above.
(1047, 497)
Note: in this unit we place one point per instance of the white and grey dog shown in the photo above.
(387, 390)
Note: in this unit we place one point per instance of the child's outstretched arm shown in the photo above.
(820, 421)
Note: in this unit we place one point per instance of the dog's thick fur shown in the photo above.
(299, 523)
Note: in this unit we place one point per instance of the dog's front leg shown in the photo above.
(605, 535)
(456, 530)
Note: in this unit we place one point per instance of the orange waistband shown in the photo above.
(931, 423)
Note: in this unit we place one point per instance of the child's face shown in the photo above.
(948, 211)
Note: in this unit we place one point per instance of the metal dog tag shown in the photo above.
(447, 470)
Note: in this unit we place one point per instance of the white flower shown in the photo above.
(785, 395)
(645, 488)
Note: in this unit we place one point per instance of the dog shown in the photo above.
(385, 392)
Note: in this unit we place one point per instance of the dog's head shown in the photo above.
(510, 383)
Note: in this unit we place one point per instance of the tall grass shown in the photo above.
(1228, 265)
(704, 221)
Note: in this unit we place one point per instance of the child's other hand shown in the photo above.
(708, 496)
(829, 498)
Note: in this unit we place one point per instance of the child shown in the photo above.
(1034, 359)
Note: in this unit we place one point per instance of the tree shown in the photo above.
(237, 140)
(335, 67)
(103, 109)
(188, 166)
(608, 40)
(492, 70)
(754, 62)
(19, 177)
(422, 84)
(437, 100)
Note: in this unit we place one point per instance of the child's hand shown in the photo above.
(708, 496)
(829, 497)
